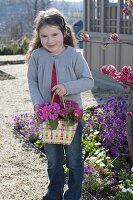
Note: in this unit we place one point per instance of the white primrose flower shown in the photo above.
(92, 159)
(108, 158)
(123, 190)
(96, 132)
(121, 187)
(99, 161)
(132, 169)
(129, 190)
(97, 143)
(101, 154)
(102, 164)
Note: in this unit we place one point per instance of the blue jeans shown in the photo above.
(74, 162)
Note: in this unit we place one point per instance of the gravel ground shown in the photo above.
(23, 172)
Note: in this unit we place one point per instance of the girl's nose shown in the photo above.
(49, 40)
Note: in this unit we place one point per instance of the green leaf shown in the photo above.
(53, 124)
(83, 122)
(70, 122)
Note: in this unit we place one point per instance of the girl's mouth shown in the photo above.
(50, 46)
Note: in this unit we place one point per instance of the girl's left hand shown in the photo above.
(59, 89)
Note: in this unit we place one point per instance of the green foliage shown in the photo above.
(14, 47)
(123, 175)
(53, 123)
(66, 170)
(92, 183)
(123, 196)
(33, 138)
(39, 144)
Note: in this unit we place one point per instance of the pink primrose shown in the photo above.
(46, 112)
(77, 114)
(63, 112)
(54, 107)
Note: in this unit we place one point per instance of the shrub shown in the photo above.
(14, 47)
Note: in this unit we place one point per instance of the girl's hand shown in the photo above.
(59, 89)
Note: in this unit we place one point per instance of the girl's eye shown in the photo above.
(43, 36)
(55, 34)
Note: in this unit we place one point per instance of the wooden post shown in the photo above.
(129, 125)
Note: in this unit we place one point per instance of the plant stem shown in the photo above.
(128, 124)
(107, 43)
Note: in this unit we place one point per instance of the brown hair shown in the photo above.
(55, 18)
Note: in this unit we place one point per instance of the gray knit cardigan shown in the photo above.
(72, 71)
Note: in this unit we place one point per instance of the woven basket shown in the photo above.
(64, 134)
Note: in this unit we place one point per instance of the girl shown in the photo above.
(56, 65)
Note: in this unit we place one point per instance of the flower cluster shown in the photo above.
(125, 77)
(70, 111)
(89, 169)
(110, 117)
(51, 112)
(85, 37)
(114, 37)
(26, 124)
(128, 9)
(48, 111)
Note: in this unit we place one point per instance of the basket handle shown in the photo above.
(62, 98)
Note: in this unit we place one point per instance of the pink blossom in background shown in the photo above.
(104, 70)
(85, 37)
(125, 77)
(130, 78)
(109, 70)
(114, 37)
(126, 11)
(130, 3)
(112, 70)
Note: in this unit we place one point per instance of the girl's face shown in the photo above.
(52, 39)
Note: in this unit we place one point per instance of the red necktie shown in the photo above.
(53, 83)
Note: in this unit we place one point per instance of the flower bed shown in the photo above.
(107, 171)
